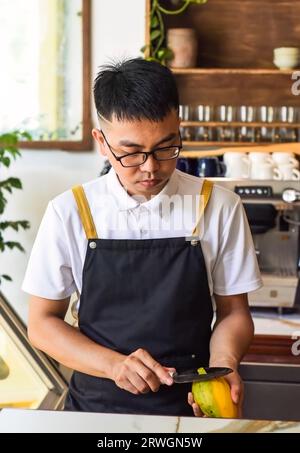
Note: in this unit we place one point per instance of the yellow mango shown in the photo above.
(214, 398)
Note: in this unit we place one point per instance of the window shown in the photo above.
(45, 74)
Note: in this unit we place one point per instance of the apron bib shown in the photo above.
(151, 294)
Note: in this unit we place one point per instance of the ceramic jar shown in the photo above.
(184, 45)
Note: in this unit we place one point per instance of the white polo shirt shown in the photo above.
(55, 266)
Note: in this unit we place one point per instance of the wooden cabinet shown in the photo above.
(235, 66)
(272, 349)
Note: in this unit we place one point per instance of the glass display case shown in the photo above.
(28, 378)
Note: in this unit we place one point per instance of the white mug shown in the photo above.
(233, 156)
(237, 165)
(260, 157)
(282, 158)
(265, 170)
(289, 172)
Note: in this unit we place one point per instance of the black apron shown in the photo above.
(151, 294)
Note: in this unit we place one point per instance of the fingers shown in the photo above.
(142, 385)
(149, 378)
(129, 387)
(161, 372)
(236, 387)
(170, 370)
(236, 390)
(235, 393)
(196, 409)
(140, 376)
(140, 373)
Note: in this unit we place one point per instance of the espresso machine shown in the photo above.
(273, 211)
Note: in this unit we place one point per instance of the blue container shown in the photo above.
(182, 164)
(188, 165)
(210, 167)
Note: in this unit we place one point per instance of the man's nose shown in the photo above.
(151, 165)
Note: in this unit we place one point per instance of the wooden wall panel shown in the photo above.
(240, 33)
(237, 89)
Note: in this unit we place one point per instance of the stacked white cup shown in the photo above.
(288, 165)
(262, 166)
(237, 165)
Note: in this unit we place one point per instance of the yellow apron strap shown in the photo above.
(85, 212)
(204, 199)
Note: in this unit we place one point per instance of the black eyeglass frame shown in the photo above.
(145, 154)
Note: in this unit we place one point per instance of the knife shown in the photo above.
(192, 375)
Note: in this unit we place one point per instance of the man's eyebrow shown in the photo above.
(130, 144)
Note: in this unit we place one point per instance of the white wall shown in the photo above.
(117, 31)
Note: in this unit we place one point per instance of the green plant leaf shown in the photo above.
(165, 54)
(152, 59)
(15, 183)
(4, 225)
(5, 161)
(155, 34)
(13, 151)
(6, 277)
(3, 202)
(15, 225)
(154, 22)
(23, 224)
(26, 135)
(12, 245)
(8, 139)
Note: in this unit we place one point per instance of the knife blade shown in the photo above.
(192, 375)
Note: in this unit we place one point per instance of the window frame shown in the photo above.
(86, 143)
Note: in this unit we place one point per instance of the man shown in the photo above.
(145, 259)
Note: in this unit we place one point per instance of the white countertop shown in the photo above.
(37, 421)
(269, 322)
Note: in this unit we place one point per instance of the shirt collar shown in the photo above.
(126, 202)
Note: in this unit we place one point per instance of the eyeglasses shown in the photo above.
(139, 158)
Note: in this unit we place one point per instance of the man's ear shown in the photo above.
(100, 140)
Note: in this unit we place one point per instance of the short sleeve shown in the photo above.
(236, 269)
(49, 271)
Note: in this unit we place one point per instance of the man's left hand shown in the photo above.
(237, 394)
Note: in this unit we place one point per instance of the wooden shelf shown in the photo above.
(239, 124)
(218, 144)
(235, 57)
(198, 153)
(239, 34)
(230, 71)
(195, 154)
(271, 349)
(221, 148)
(235, 64)
(291, 147)
(236, 87)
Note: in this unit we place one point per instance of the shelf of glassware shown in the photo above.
(218, 124)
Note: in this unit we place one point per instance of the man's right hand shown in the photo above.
(140, 373)
(137, 373)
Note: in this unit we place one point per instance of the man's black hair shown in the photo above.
(135, 89)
